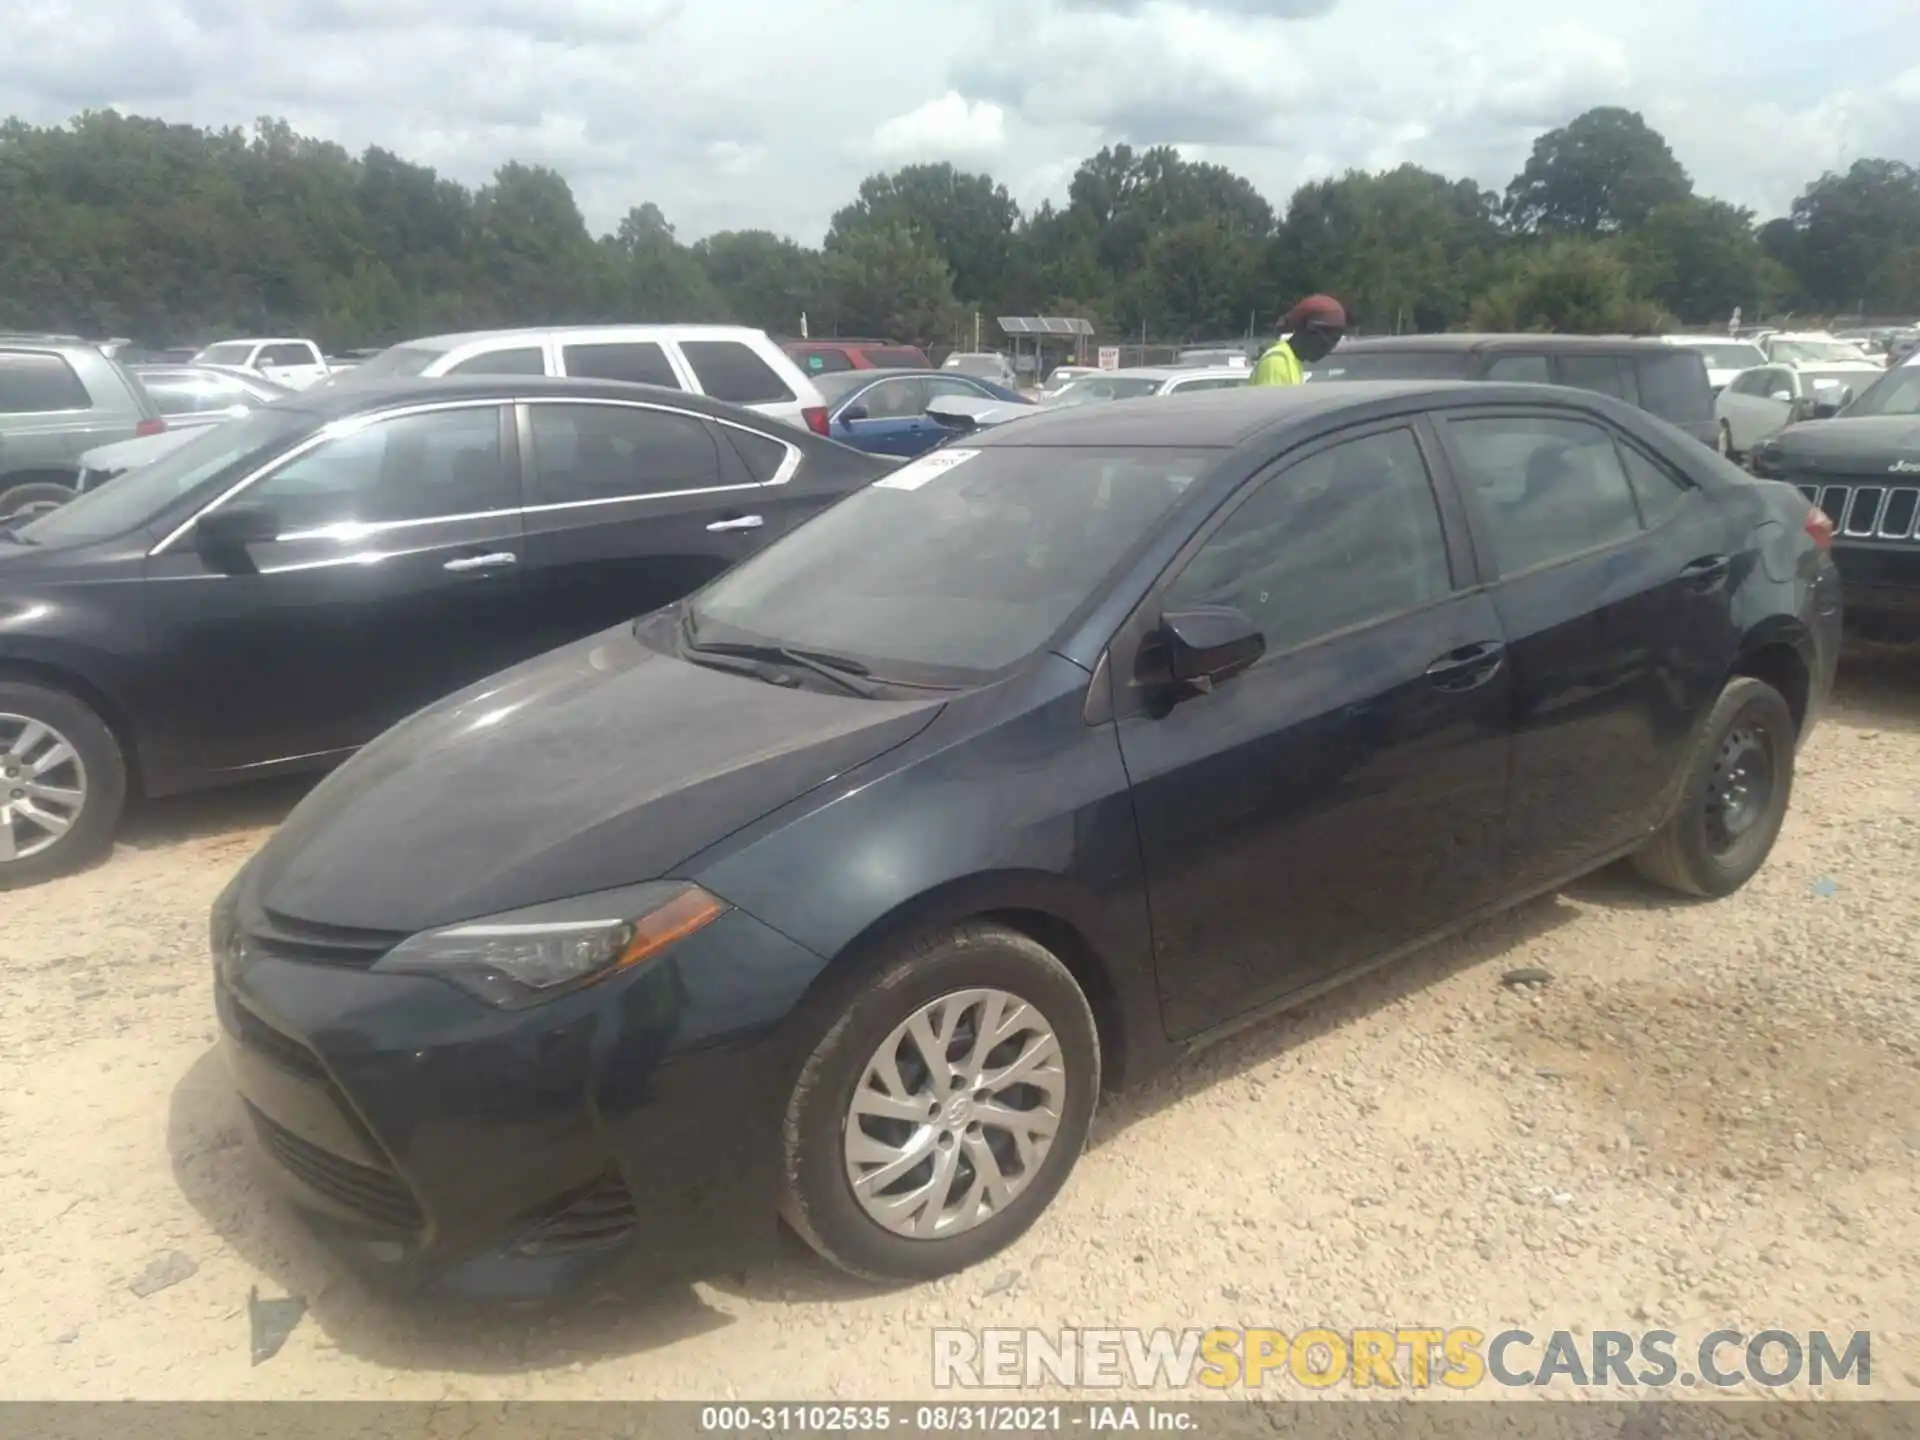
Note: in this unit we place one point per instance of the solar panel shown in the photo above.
(1044, 325)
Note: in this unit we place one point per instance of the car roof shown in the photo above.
(1470, 341)
(1223, 419)
(366, 397)
(453, 340)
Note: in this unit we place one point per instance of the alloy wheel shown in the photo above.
(43, 786)
(954, 1114)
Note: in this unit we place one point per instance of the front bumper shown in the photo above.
(437, 1143)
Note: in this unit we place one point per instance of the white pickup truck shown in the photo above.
(293, 362)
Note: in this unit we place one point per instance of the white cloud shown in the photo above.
(950, 127)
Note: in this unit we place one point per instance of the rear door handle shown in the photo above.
(739, 522)
(493, 561)
(1468, 667)
(1707, 572)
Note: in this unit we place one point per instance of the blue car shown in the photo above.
(884, 412)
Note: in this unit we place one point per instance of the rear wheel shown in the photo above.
(63, 783)
(942, 1108)
(36, 497)
(1735, 798)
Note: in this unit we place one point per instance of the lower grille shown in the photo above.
(597, 1217)
(378, 1195)
(1869, 512)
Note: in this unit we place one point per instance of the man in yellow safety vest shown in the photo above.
(1310, 331)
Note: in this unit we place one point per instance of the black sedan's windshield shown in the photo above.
(136, 498)
(957, 565)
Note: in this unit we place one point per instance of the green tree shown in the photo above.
(970, 220)
(1700, 259)
(888, 281)
(654, 277)
(766, 280)
(1578, 287)
(535, 260)
(1844, 228)
(1605, 171)
(1404, 249)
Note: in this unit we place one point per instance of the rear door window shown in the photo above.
(524, 360)
(1548, 487)
(1675, 387)
(761, 454)
(35, 382)
(641, 362)
(1603, 374)
(614, 452)
(728, 370)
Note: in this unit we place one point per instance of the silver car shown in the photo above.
(193, 397)
(1758, 404)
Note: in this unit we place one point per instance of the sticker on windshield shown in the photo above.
(917, 473)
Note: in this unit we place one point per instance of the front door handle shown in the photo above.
(738, 522)
(1468, 667)
(1707, 572)
(493, 561)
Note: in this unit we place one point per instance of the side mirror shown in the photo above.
(1825, 409)
(222, 536)
(853, 412)
(1210, 644)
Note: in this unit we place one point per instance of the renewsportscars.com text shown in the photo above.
(1399, 1358)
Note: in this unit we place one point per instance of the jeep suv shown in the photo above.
(1663, 379)
(60, 396)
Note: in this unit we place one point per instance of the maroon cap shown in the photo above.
(1316, 309)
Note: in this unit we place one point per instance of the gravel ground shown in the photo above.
(1710, 1118)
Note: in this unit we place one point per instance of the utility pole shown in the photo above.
(976, 331)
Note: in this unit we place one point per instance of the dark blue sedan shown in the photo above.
(884, 412)
(846, 886)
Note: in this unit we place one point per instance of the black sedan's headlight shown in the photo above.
(524, 957)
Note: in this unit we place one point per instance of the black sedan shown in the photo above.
(846, 885)
(274, 592)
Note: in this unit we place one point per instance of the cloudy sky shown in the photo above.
(766, 113)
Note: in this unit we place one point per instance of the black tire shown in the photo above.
(33, 495)
(1695, 852)
(105, 770)
(817, 1198)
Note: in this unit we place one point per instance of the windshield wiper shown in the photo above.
(849, 675)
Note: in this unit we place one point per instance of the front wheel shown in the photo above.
(1734, 799)
(942, 1107)
(63, 783)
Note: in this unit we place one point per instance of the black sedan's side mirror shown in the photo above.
(222, 536)
(1825, 408)
(1209, 644)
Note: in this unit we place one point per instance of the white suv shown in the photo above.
(291, 362)
(726, 362)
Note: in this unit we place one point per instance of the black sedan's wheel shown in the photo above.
(942, 1107)
(1737, 787)
(63, 783)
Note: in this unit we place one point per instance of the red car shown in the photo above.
(824, 357)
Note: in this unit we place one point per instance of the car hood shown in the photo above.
(601, 764)
(1866, 445)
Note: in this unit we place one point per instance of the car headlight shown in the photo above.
(523, 957)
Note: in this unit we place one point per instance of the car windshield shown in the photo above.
(137, 497)
(1729, 355)
(1895, 393)
(227, 352)
(976, 364)
(1391, 365)
(957, 565)
(837, 385)
(1096, 389)
(1833, 384)
(1816, 350)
